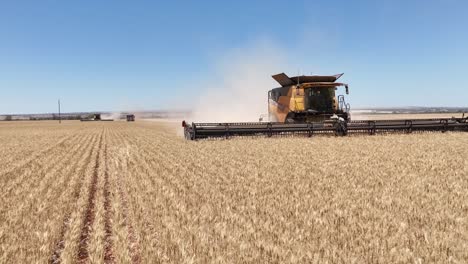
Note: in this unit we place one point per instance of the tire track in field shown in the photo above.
(143, 166)
(83, 253)
(108, 254)
(59, 246)
(133, 247)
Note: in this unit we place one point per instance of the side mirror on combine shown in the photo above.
(347, 89)
(184, 124)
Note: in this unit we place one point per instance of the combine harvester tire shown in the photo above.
(197, 131)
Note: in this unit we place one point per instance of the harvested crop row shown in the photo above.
(38, 210)
(127, 248)
(73, 199)
(78, 222)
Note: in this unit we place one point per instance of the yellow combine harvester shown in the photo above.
(308, 105)
(304, 99)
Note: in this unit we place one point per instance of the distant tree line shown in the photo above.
(40, 117)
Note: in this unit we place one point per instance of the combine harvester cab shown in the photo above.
(308, 105)
(306, 99)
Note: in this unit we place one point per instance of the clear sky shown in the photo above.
(135, 55)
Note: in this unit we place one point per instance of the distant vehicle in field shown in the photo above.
(130, 118)
(95, 117)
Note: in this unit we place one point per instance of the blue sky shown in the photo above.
(135, 55)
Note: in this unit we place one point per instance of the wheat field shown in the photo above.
(118, 192)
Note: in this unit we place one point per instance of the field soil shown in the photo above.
(137, 192)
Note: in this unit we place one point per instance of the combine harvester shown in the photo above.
(130, 118)
(308, 105)
(94, 117)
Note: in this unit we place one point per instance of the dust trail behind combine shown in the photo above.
(241, 94)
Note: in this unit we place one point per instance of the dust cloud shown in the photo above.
(241, 92)
(113, 115)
